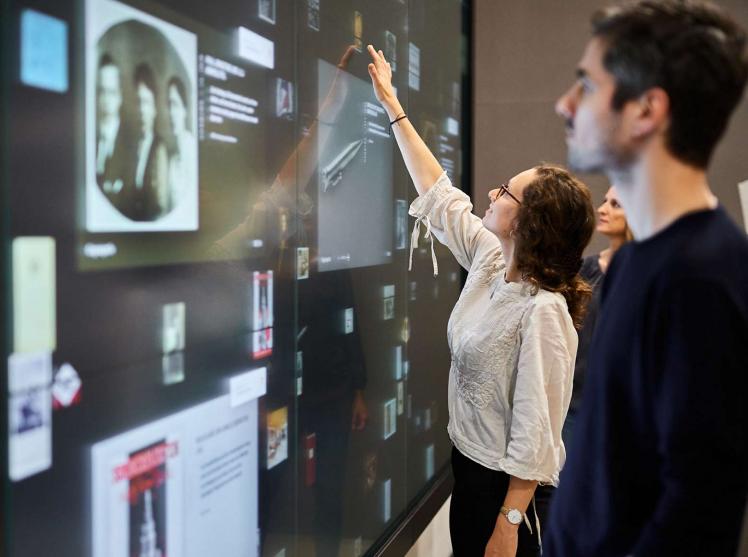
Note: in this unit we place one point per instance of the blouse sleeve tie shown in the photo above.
(427, 236)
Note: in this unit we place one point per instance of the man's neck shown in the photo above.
(657, 190)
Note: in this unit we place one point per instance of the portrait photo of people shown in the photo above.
(141, 112)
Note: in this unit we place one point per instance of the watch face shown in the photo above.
(514, 516)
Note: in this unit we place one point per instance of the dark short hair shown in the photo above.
(144, 75)
(178, 84)
(691, 49)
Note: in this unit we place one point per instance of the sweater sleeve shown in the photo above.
(542, 393)
(447, 213)
(700, 424)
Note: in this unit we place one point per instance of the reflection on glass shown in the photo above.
(228, 340)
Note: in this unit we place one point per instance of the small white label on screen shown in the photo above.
(256, 48)
(248, 386)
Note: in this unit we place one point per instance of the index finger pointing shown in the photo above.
(374, 54)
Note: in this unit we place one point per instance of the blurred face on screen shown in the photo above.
(146, 109)
(109, 93)
(177, 112)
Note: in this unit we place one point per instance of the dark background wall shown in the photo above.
(525, 54)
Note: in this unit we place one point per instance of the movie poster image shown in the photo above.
(147, 500)
(284, 99)
(262, 300)
(141, 164)
(277, 449)
(262, 343)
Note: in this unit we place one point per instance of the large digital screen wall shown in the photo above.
(211, 341)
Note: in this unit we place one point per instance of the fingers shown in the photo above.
(377, 57)
(374, 54)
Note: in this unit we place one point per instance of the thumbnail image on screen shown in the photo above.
(166, 487)
(355, 180)
(141, 109)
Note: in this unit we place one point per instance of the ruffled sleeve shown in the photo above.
(446, 212)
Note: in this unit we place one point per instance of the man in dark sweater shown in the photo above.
(660, 466)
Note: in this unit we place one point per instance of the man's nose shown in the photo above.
(566, 105)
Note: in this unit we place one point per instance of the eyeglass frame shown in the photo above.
(504, 189)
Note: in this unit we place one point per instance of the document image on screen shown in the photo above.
(141, 163)
(355, 199)
(166, 487)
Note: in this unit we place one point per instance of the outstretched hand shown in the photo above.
(380, 72)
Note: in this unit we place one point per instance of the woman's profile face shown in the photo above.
(611, 218)
(502, 212)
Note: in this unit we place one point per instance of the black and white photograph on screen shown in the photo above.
(173, 327)
(348, 321)
(401, 224)
(313, 14)
(302, 263)
(390, 49)
(390, 418)
(266, 10)
(28, 411)
(141, 115)
(388, 301)
(284, 99)
(172, 368)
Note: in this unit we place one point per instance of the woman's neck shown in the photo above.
(607, 254)
(511, 274)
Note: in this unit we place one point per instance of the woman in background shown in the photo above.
(612, 224)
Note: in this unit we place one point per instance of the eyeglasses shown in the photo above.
(504, 189)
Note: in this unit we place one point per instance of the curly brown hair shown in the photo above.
(554, 225)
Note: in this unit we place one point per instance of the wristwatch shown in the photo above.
(514, 516)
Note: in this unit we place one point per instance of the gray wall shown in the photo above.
(525, 55)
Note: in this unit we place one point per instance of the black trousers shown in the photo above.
(477, 496)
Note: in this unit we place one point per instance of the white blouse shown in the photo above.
(512, 352)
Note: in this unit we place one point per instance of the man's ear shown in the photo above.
(652, 113)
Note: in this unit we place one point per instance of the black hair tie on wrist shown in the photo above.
(396, 120)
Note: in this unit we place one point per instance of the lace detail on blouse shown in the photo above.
(481, 366)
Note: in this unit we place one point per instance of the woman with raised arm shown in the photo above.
(511, 334)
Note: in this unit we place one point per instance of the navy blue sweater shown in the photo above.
(658, 465)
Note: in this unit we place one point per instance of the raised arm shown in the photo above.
(423, 167)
